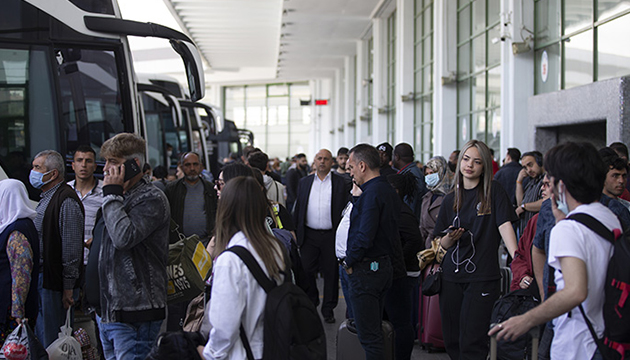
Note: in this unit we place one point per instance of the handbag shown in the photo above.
(188, 268)
(432, 284)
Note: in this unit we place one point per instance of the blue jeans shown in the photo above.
(343, 276)
(398, 307)
(367, 293)
(128, 341)
(52, 314)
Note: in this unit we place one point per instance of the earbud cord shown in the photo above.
(468, 261)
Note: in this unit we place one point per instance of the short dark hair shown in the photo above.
(515, 154)
(580, 167)
(537, 155)
(84, 149)
(620, 148)
(368, 154)
(247, 150)
(236, 169)
(258, 160)
(404, 152)
(342, 151)
(160, 172)
(300, 155)
(611, 159)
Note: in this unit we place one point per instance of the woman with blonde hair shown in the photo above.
(237, 299)
(472, 220)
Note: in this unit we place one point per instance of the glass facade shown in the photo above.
(478, 72)
(423, 79)
(273, 112)
(579, 42)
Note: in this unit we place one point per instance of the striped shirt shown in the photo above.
(71, 228)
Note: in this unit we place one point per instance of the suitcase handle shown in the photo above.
(534, 333)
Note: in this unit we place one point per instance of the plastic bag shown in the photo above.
(16, 345)
(65, 347)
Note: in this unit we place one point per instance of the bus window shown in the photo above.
(27, 111)
(90, 96)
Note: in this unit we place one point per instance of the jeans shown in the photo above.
(128, 341)
(343, 276)
(52, 314)
(398, 303)
(367, 293)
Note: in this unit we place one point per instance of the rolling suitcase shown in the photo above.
(430, 331)
(530, 353)
(349, 347)
(506, 279)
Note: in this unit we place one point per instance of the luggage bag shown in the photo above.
(534, 333)
(430, 330)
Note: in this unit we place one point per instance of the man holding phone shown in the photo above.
(134, 252)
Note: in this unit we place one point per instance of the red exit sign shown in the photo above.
(321, 102)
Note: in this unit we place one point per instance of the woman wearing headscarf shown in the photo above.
(19, 254)
(438, 178)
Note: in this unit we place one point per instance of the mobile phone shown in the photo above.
(131, 169)
(448, 230)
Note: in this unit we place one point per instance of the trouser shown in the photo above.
(318, 254)
(367, 293)
(52, 314)
(128, 341)
(466, 309)
(398, 307)
(345, 288)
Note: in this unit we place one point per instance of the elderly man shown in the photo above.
(320, 202)
(59, 223)
(133, 232)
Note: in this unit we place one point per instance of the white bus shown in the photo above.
(66, 78)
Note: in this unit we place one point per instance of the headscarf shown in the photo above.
(439, 165)
(14, 203)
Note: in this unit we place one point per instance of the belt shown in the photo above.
(318, 230)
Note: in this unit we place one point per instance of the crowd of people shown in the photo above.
(359, 219)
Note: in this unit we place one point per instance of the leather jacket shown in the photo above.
(134, 253)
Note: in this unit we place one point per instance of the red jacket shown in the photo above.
(522, 263)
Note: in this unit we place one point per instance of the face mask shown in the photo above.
(432, 179)
(169, 153)
(562, 203)
(35, 178)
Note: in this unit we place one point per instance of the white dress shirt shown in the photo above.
(318, 211)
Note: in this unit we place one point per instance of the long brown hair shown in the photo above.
(483, 191)
(243, 207)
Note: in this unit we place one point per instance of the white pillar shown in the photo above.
(404, 72)
(347, 139)
(379, 86)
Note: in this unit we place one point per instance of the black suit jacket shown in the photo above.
(340, 197)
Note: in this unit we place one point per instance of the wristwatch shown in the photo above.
(344, 265)
(523, 206)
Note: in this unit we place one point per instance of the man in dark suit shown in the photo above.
(321, 198)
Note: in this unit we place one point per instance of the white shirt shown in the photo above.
(236, 298)
(572, 339)
(319, 211)
(341, 238)
(92, 201)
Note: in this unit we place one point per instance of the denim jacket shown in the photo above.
(134, 253)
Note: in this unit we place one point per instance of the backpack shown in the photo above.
(514, 303)
(293, 329)
(616, 341)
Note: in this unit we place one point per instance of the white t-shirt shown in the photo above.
(341, 237)
(572, 339)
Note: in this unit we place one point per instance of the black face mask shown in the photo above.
(452, 166)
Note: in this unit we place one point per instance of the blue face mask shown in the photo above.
(562, 203)
(35, 178)
(432, 179)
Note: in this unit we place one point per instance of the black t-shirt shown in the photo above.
(285, 218)
(481, 261)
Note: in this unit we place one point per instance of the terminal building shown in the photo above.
(304, 75)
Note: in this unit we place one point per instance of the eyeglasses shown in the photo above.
(545, 184)
(219, 183)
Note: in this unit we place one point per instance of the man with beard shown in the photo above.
(528, 188)
(193, 203)
(294, 174)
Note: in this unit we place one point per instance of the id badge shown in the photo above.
(374, 265)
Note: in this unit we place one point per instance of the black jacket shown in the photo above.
(340, 197)
(176, 193)
(506, 176)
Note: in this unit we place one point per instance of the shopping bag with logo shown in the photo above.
(189, 266)
(16, 345)
(65, 347)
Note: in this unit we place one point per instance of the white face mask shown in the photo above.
(432, 179)
(562, 201)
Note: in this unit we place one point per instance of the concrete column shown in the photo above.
(404, 72)
(361, 128)
(445, 70)
(379, 121)
(349, 103)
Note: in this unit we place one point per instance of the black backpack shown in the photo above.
(616, 341)
(293, 329)
(514, 303)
